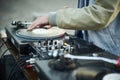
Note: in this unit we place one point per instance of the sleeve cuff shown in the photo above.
(52, 18)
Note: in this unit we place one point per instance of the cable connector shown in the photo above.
(31, 61)
(28, 66)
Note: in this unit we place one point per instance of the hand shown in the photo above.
(40, 22)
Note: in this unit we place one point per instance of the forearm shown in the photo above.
(97, 16)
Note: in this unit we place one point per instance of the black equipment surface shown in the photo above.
(98, 68)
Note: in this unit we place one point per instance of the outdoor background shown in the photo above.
(26, 10)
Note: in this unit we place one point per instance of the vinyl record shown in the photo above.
(40, 33)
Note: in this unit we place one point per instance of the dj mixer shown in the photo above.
(59, 56)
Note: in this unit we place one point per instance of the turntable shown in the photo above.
(20, 37)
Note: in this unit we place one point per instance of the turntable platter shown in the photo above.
(40, 33)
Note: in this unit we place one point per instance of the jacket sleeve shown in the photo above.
(97, 16)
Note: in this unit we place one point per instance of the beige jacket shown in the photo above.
(97, 16)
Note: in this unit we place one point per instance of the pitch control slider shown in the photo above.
(116, 62)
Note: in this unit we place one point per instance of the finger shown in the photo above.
(32, 26)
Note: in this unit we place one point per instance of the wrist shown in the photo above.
(52, 18)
